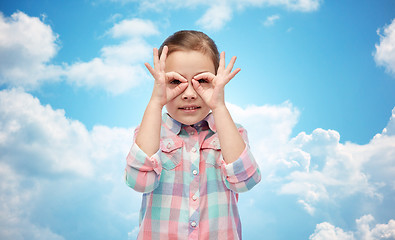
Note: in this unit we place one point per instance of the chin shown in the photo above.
(190, 120)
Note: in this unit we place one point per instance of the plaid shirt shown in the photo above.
(189, 191)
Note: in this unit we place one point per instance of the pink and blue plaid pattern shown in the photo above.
(189, 192)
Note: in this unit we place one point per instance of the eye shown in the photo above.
(175, 81)
(202, 81)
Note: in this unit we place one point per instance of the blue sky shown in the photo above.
(316, 94)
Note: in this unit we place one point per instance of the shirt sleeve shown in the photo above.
(142, 173)
(242, 174)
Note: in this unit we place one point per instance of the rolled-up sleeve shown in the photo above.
(242, 174)
(142, 173)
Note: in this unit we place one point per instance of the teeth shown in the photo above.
(190, 108)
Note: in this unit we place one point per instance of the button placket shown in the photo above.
(194, 156)
(194, 210)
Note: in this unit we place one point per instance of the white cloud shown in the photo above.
(54, 171)
(58, 145)
(23, 118)
(385, 50)
(326, 231)
(26, 47)
(269, 128)
(389, 130)
(119, 67)
(302, 5)
(103, 74)
(294, 5)
(215, 17)
(15, 199)
(131, 28)
(219, 13)
(338, 171)
(271, 20)
(325, 177)
(316, 167)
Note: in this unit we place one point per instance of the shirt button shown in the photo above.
(193, 149)
(192, 133)
(168, 145)
(193, 224)
(194, 198)
(195, 172)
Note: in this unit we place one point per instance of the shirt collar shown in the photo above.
(210, 121)
(175, 126)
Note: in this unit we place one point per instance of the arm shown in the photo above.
(232, 144)
(243, 174)
(143, 164)
(148, 137)
(142, 173)
(240, 170)
(212, 92)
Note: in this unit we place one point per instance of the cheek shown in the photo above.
(171, 106)
(207, 85)
(170, 86)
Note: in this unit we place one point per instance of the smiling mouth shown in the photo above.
(189, 108)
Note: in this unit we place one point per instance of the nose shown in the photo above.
(189, 93)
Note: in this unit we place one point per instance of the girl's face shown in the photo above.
(188, 107)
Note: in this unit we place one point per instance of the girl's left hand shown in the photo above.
(210, 87)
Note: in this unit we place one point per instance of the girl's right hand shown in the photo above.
(167, 85)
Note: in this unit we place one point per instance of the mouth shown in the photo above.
(189, 108)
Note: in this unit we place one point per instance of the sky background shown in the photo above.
(316, 93)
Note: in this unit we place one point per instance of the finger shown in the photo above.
(198, 87)
(231, 64)
(221, 61)
(172, 93)
(150, 69)
(175, 75)
(180, 88)
(156, 58)
(232, 74)
(163, 57)
(206, 76)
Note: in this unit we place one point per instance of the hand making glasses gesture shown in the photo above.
(210, 88)
(214, 96)
(161, 93)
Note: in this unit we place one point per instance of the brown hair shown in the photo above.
(192, 40)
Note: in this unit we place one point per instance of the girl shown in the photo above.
(192, 162)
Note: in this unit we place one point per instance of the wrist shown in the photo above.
(155, 104)
(219, 107)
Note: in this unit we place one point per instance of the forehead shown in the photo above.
(189, 63)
